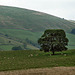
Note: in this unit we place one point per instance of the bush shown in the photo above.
(17, 48)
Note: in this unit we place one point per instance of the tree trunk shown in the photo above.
(53, 52)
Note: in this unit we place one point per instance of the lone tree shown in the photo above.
(53, 40)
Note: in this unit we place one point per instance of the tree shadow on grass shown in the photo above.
(56, 54)
(64, 53)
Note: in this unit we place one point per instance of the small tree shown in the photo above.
(53, 40)
(17, 48)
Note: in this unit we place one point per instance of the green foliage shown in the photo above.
(26, 59)
(17, 48)
(53, 40)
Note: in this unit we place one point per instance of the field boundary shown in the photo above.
(42, 71)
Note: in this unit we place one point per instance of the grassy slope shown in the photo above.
(71, 44)
(16, 35)
(14, 60)
(11, 17)
(20, 24)
(72, 21)
(21, 34)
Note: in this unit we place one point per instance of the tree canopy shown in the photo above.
(53, 40)
(17, 48)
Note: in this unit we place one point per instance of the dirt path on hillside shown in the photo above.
(45, 71)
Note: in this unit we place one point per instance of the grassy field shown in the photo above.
(27, 59)
(71, 43)
(18, 37)
(21, 34)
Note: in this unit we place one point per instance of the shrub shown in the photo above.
(17, 48)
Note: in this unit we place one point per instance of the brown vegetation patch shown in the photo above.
(38, 13)
(45, 71)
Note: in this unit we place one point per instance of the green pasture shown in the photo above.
(26, 59)
(21, 34)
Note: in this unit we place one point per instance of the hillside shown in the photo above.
(72, 21)
(11, 17)
(26, 26)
